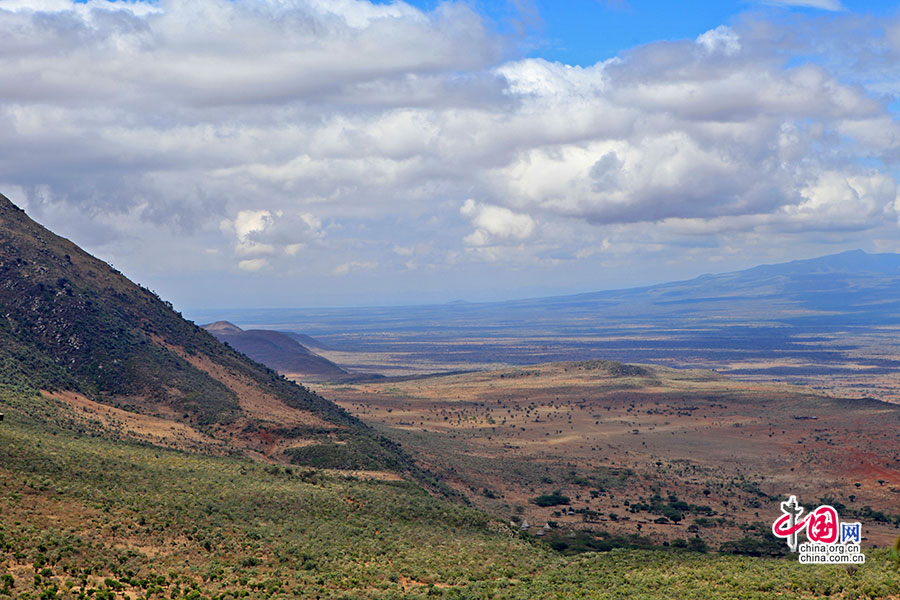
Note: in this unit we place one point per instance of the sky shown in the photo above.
(291, 153)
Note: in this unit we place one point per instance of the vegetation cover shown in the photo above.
(554, 499)
(87, 517)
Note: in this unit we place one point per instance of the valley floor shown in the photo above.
(627, 445)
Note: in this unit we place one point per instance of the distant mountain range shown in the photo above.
(850, 286)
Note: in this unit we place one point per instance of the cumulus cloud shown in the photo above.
(850, 202)
(722, 38)
(285, 133)
(215, 53)
(495, 223)
(703, 135)
(266, 233)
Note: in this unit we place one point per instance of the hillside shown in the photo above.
(279, 351)
(120, 358)
(308, 341)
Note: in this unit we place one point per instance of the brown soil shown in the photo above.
(144, 427)
(516, 433)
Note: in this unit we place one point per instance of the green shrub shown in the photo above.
(554, 499)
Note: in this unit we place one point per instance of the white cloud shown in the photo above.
(253, 264)
(855, 202)
(354, 265)
(251, 221)
(495, 223)
(536, 77)
(717, 136)
(722, 38)
(270, 233)
(84, 9)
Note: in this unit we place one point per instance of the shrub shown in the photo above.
(554, 499)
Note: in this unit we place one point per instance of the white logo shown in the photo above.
(830, 540)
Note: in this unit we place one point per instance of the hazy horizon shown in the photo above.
(215, 313)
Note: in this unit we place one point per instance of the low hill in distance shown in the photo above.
(280, 351)
(125, 364)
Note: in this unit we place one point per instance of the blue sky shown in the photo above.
(256, 153)
(583, 32)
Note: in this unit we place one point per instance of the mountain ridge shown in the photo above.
(842, 262)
